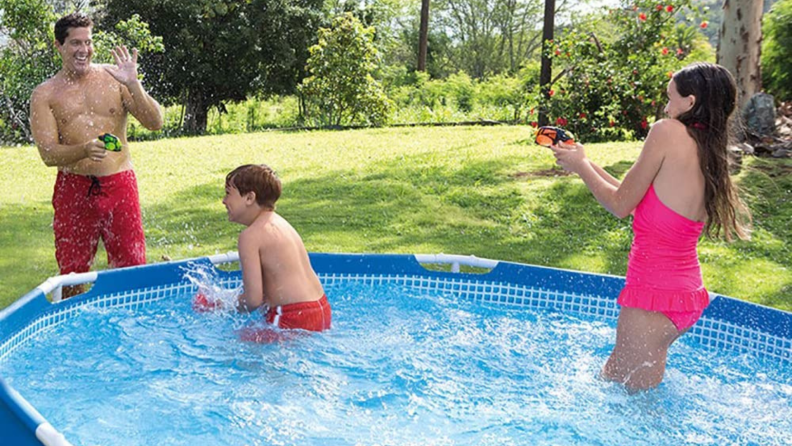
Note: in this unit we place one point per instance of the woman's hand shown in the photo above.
(570, 156)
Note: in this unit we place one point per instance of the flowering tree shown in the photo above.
(612, 87)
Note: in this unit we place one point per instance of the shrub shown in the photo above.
(341, 88)
(614, 89)
(777, 50)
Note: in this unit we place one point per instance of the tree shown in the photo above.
(547, 63)
(739, 45)
(777, 50)
(489, 36)
(26, 60)
(222, 50)
(341, 86)
(423, 35)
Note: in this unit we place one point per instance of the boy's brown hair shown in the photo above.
(258, 178)
(73, 20)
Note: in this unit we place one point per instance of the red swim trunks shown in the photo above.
(90, 207)
(310, 316)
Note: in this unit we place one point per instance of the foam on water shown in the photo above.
(396, 369)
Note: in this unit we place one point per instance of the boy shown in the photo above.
(276, 271)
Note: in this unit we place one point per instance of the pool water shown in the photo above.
(398, 368)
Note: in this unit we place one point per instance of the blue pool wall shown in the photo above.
(727, 323)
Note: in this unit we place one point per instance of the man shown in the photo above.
(96, 190)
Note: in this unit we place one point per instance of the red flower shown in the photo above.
(680, 51)
(642, 16)
(670, 74)
(704, 25)
(659, 7)
(644, 124)
(670, 8)
(612, 123)
(551, 93)
(582, 116)
(665, 51)
(534, 124)
(561, 122)
(557, 52)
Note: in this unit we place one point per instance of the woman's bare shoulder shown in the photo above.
(668, 127)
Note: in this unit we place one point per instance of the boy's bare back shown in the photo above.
(286, 276)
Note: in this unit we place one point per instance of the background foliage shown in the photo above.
(340, 88)
(234, 65)
(29, 57)
(777, 50)
(613, 86)
(221, 50)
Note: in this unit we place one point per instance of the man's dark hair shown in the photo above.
(73, 20)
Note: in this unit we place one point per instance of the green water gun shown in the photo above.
(111, 142)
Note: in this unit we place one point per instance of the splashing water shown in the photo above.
(210, 290)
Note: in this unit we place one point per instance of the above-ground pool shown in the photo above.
(506, 355)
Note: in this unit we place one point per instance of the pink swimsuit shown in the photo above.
(663, 272)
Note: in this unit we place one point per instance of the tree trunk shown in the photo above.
(196, 114)
(423, 35)
(547, 65)
(740, 44)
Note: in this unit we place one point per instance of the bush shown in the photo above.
(777, 50)
(614, 89)
(341, 88)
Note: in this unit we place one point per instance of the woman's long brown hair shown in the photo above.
(708, 123)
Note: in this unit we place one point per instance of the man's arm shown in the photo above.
(142, 106)
(45, 134)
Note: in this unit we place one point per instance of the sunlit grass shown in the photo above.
(459, 190)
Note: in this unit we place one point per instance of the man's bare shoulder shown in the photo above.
(46, 89)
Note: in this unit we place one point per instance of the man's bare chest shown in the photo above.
(93, 101)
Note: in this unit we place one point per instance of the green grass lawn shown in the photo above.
(458, 190)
